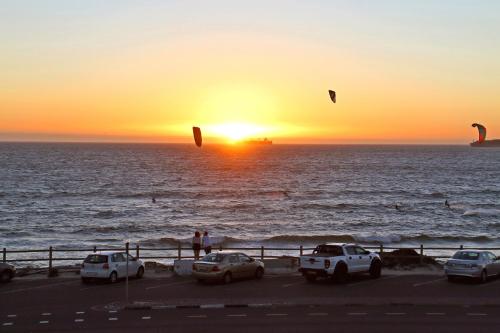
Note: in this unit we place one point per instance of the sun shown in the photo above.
(235, 132)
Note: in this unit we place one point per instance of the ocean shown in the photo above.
(82, 194)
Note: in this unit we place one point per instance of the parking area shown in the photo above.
(169, 290)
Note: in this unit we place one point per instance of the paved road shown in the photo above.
(280, 303)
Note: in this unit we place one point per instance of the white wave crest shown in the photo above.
(482, 212)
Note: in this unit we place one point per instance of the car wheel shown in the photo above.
(6, 276)
(451, 278)
(259, 273)
(375, 269)
(228, 278)
(310, 278)
(340, 273)
(483, 277)
(85, 280)
(140, 272)
(200, 281)
(113, 277)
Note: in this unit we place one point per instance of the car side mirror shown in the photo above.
(251, 260)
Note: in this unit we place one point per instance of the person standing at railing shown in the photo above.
(196, 245)
(207, 243)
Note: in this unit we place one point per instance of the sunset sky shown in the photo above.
(147, 71)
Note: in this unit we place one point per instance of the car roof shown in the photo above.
(341, 244)
(474, 251)
(107, 253)
(227, 252)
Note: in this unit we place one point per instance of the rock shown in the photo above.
(406, 258)
(53, 272)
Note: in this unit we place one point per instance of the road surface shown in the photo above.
(393, 303)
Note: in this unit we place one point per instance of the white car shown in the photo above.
(111, 266)
(339, 260)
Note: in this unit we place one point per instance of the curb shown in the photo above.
(153, 306)
(145, 306)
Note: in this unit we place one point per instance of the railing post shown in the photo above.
(4, 255)
(137, 251)
(220, 247)
(461, 247)
(127, 247)
(95, 249)
(262, 252)
(50, 260)
(381, 248)
(421, 253)
(301, 250)
(179, 249)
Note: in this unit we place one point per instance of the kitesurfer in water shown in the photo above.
(153, 200)
(447, 204)
(397, 207)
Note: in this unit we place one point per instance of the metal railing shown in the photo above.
(50, 255)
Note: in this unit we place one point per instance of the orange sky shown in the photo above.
(130, 72)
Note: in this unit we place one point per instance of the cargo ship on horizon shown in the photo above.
(264, 141)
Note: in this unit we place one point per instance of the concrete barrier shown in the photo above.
(183, 267)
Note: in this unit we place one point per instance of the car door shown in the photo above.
(494, 263)
(246, 265)
(352, 259)
(364, 258)
(120, 264)
(133, 266)
(234, 265)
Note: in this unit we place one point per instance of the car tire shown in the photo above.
(484, 276)
(140, 272)
(340, 273)
(227, 278)
(375, 269)
(113, 277)
(201, 281)
(6, 276)
(451, 278)
(310, 278)
(259, 273)
(85, 280)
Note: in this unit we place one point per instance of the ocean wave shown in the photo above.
(170, 241)
(482, 212)
(338, 206)
(110, 229)
(105, 214)
(295, 240)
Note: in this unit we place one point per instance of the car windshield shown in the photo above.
(213, 257)
(332, 250)
(466, 255)
(96, 259)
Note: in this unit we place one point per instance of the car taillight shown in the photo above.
(216, 269)
(327, 263)
(105, 266)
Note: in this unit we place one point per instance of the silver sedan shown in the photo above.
(226, 266)
(473, 264)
